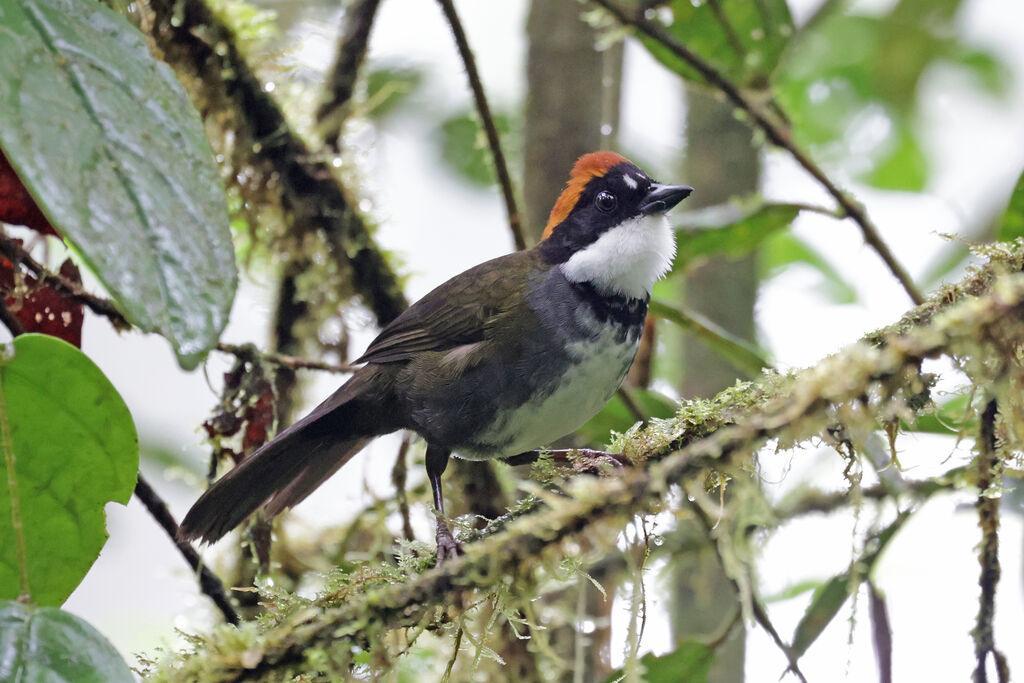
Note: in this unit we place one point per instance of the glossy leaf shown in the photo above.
(74, 448)
(690, 662)
(111, 149)
(1011, 226)
(742, 39)
(49, 644)
(784, 249)
(728, 229)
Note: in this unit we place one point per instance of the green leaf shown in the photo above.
(108, 144)
(784, 249)
(825, 604)
(729, 229)
(1012, 224)
(740, 353)
(742, 39)
(690, 662)
(950, 417)
(830, 596)
(616, 417)
(51, 645)
(845, 69)
(464, 146)
(386, 89)
(74, 448)
(902, 166)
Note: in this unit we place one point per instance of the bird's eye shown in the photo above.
(605, 202)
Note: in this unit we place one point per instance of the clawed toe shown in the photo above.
(448, 548)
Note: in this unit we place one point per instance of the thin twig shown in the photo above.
(208, 582)
(775, 133)
(18, 255)
(244, 350)
(500, 167)
(989, 470)
(631, 405)
(10, 320)
(760, 614)
(455, 655)
(399, 474)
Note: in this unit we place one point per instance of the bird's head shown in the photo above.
(609, 228)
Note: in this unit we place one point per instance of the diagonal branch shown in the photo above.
(988, 327)
(500, 167)
(208, 581)
(17, 255)
(196, 42)
(355, 36)
(776, 134)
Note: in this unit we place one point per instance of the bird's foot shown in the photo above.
(588, 461)
(448, 548)
(579, 460)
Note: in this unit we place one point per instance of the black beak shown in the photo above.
(660, 198)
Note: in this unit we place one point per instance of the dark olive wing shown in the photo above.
(458, 312)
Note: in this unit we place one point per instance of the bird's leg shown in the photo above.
(437, 461)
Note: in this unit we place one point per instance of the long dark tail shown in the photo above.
(281, 473)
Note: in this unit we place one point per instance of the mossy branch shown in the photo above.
(200, 45)
(980, 322)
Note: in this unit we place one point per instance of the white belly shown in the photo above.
(589, 384)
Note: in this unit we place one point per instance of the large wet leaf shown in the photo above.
(74, 448)
(50, 645)
(110, 147)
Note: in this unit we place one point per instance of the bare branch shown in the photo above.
(352, 44)
(989, 471)
(500, 167)
(208, 581)
(246, 350)
(17, 255)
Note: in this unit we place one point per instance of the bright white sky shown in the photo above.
(977, 146)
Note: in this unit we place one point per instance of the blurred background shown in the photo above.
(915, 107)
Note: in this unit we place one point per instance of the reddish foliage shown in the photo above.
(41, 308)
(16, 204)
(246, 409)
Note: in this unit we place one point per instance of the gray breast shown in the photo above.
(565, 370)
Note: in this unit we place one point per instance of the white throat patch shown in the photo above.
(627, 259)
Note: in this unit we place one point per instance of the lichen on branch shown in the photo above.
(865, 387)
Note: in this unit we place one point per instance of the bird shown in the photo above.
(498, 361)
